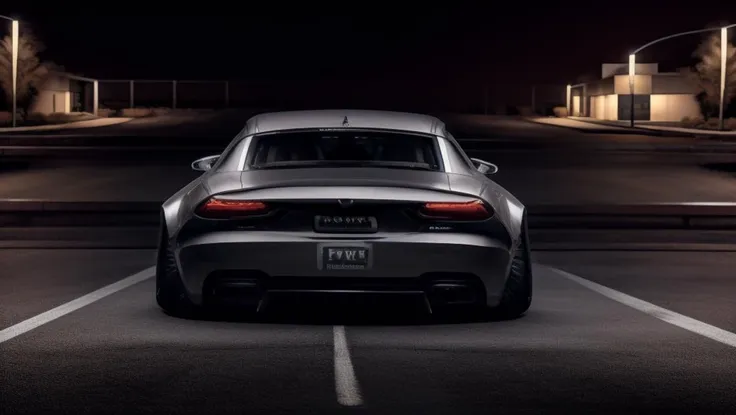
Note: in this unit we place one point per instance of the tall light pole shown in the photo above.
(632, 74)
(724, 57)
(13, 62)
(632, 62)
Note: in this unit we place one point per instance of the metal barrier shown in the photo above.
(635, 216)
(468, 96)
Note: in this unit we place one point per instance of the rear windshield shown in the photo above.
(345, 148)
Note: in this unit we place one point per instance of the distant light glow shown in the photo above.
(632, 64)
(14, 64)
(724, 57)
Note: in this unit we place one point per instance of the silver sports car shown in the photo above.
(344, 202)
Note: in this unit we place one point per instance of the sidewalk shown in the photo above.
(98, 122)
(579, 124)
(655, 126)
(693, 131)
(592, 125)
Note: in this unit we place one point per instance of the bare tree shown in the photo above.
(31, 74)
(707, 74)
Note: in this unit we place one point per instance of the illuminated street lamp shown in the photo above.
(632, 74)
(14, 60)
(724, 51)
(724, 38)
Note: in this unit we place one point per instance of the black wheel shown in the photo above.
(517, 295)
(170, 293)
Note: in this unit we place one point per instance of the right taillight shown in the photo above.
(471, 211)
(215, 208)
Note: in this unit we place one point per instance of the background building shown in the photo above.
(657, 96)
(64, 93)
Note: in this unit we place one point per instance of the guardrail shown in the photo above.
(29, 212)
(634, 216)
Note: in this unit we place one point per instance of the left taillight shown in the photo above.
(215, 208)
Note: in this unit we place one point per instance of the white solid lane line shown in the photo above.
(346, 385)
(64, 309)
(679, 320)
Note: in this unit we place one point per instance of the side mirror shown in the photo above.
(484, 166)
(205, 163)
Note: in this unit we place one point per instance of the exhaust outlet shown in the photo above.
(236, 292)
(453, 293)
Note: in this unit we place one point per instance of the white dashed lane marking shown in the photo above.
(64, 309)
(676, 319)
(346, 385)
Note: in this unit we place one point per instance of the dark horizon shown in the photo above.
(508, 52)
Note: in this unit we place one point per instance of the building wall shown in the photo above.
(596, 109)
(610, 69)
(56, 82)
(612, 107)
(576, 106)
(53, 96)
(673, 84)
(48, 102)
(668, 96)
(642, 84)
(600, 87)
(673, 107)
(604, 107)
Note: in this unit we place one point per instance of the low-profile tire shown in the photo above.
(170, 292)
(517, 294)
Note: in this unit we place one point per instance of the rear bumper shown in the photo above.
(408, 263)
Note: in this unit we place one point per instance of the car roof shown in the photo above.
(359, 119)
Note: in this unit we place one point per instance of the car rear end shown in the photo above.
(346, 231)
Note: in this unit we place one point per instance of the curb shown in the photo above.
(65, 126)
(615, 130)
(639, 130)
(635, 131)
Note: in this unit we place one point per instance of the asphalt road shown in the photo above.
(543, 182)
(576, 350)
(218, 128)
(541, 164)
(662, 341)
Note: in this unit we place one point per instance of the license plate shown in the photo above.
(344, 257)
(346, 224)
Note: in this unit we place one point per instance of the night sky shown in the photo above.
(508, 48)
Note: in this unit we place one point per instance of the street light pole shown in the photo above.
(13, 62)
(14, 42)
(724, 51)
(632, 62)
(632, 74)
